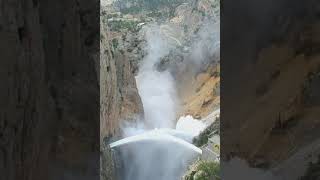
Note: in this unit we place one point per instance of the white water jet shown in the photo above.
(190, 125)
(157, 89)
(158, 94)
(157, 155)
(162, 136)
(176, 133)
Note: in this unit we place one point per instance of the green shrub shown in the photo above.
(122, 24)
(140, 5)
(205, 170)
(115, 43)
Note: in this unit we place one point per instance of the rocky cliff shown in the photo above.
(119, 98)
(50, 91)
(274, 75)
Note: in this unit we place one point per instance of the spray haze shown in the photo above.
(155, 155)
(157, 89)
(207, 45)
(157, 147)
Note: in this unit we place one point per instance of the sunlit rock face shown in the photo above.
(157, 154)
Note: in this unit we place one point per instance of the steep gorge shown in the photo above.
(151, 50)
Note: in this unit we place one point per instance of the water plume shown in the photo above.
(154, 155)
(190, 125)
(157, 89)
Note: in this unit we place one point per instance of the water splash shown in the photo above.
(157, 154)
(190, 125)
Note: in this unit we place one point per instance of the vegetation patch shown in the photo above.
(115, 43)
(136, 6)
(204, 170)
(122, 24)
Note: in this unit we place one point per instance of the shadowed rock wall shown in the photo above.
(270, 70)
(49, 110)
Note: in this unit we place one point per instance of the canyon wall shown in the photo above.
(191, 29)
(49, 117)
(270, 79)
(119, 99)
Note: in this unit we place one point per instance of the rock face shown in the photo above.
(50, 91)
(275, 81)
(107, 163)
(119, 98)
(200, 93)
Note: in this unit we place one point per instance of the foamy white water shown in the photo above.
(190, 125)
(158, 95)
(160, 154)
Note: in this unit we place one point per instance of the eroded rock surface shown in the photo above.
(50, 90)
(269, 84)
(119, 98)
